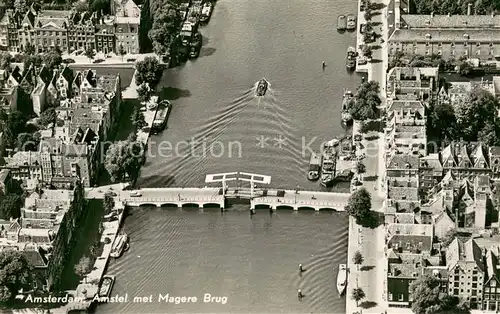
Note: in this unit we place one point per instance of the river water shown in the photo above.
(215, 127)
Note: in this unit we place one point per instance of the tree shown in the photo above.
(90, 53)
(81, 6)
(473, 115)
(16, 124)
(16, 273)
(52, 59)
(28, 141)
(360, 167)
(358, 258)
(357, 295)
(138, 119)
(367, 101)
(101, 6)
(165, 27)
(122, 51)
(465, 68)
(148, 71)
(29, 49)
(448, 237)
(83, 267)
(425, 294)
(144, 92)
(10, 206)
(5, 60)
(441, 122)
(109, 202)
(124, 158)
(47, 117)
(32, 60)
(359, 204)
(489, 135)
(367, 51)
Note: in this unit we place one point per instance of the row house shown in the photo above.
(127, 16)
(409, 249)
(412, 83)
(467, 203)
(401, 181)
(81, 31)
(71, 30)
(406, 128)
(51, 30)
(450, 36)
(466, 271)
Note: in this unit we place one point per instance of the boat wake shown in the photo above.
(243, 132)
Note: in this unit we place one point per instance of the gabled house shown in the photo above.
(63, 82)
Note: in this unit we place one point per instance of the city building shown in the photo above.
(51, 30)
(450, 36)
(127, 19)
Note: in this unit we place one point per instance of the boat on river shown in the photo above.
(351, 22)
(328, 163)
(106, 286)
(119, 245)
(341, 23)
(342, 278)
(350, 61)
(261, 87)
(346, 101)
(161, 117)
(206, 11)
(314, 167)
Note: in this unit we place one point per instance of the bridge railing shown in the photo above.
(275, 201)
(172, 199)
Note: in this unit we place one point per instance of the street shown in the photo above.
(371, 276)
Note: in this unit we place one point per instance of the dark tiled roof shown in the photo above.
(400, 161)
(35, 258)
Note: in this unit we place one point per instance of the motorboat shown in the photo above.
(206, 11)
(350, 61)
(261, 87)
(106, 286)
(341, 23)
(342, 278)
(351, 22)
(119, 245)
(314, 167)
(346, 102)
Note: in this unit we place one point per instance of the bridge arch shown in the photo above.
(306, 208)
(331, 209)
(284, 207)
(262, 206)
(211, 205)
(169, 205)
(147, 205)
(190, 205)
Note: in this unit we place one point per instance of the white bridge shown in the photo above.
(259, 197)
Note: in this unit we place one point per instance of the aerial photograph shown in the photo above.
(236, 156)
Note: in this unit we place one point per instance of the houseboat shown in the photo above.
(187, 32)
(195, 46)
(351, 22)
(261, 87)
(119, 245)
(346, 103)
(350, 61)
(341, 23)
(161, 117)
(314, 167)
(342, 278)
(206, 11)
(106, 286)
(328, 163)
